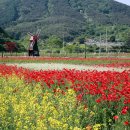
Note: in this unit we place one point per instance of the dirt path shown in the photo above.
(57, 66)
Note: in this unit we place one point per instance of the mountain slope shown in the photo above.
(104, 11)
(3, 36)
(59, 17)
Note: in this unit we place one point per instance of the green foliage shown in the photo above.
(54, 42)
(127, 41)
(25, 41)
(80, 39)
(80, 48)
(4, 37)
(70, 18)
(115, 33)
(69, 48)
(2, 48)
(8, 11)
(103, 11)
(112, 39)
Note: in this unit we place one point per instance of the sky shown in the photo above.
(124, 1)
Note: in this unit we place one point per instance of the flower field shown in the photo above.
(63, 99)
(61, 66)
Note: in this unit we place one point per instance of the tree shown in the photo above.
(128, 41)
(10, 46)
(112, 39)
(69, 48)
(80, 39)
(2, 48)
(126, 44)
(54, 42)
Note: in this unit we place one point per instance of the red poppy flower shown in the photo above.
(126, 123)
(124, 110)
(116, 117)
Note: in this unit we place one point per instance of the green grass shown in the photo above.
(92, 58)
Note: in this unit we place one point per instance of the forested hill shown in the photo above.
(3, 36)
(60, 17)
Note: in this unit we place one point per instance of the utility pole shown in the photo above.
(106, 41)
(63, 35)
(63, 43)
(100, 45)
(2, 54)
(85, 50)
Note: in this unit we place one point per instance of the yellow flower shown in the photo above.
(65, 126)
(76, 128)
(26, 107)
(97, 127)
(92, 113)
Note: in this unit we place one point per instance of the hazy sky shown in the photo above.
(124, 1)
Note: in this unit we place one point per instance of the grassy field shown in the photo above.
(81, 55)
(100, 61)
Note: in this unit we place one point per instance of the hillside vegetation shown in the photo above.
(68, 18)
(3, 36)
